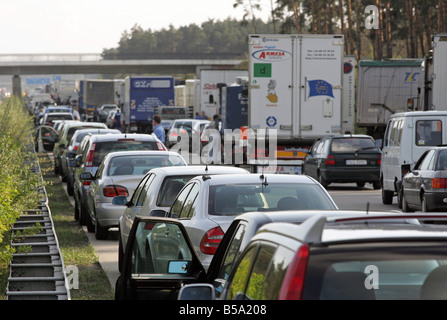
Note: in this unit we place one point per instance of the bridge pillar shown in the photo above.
(16, 86)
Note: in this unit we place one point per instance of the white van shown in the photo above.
(407, 136)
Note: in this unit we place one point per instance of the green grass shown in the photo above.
(74, 244)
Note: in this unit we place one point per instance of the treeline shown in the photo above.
(373, 29)
(18, 184)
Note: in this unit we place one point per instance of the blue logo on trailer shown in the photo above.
(271, 121)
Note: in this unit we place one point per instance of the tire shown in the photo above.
(101, 233)
(405, 207)
(399, 198)
(387, 196)
(322, 180)
(424, 204)
(88, 221)
(360, 184)
(76, 211)
(120, 253)
(83, 216)
(376, 185)
(70, 190)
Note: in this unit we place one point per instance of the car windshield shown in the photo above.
(234, 199)
(395, 271)
(139, 165)
(170, 187)
(103, 148)
(352, 144)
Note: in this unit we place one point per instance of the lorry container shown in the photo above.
(140, 95)
(385, 88)
(96, 93)
(295, 88)
(210, 83)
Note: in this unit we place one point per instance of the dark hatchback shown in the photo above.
(344, 159)
(425, 187)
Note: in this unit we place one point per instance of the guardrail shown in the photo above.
(38, 274)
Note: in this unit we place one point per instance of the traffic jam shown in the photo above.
(231, 202)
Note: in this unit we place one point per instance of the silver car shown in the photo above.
(207, 205)
(119, 174)
(157, 191)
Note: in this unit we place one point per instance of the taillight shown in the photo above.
(114, 191)
(211, 240)
(75, 148)
(379, 161)
(160, 146)
(87, 182)
(330, 160)
(438, 183)
(293, 284)
(91, 152)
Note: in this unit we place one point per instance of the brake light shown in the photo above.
(75, 148)
(293, 284)
(211, 240)
(126, 140)
(160, 146)
(330, 160)
(87, 182)
(114, 191)
(379, 161)
(438, 183)
(91, 152)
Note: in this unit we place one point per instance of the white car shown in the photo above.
(157, 191)
(207, 205)
(119, 174)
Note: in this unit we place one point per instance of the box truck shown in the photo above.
(295, 87)
(140, 95)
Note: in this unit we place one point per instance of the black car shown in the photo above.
(344, 159)
(425, 187)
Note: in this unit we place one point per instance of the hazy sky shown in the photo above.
(89, 26)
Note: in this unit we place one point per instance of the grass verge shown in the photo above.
(75, 247)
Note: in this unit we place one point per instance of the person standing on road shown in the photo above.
(159, 131)
(76, 114)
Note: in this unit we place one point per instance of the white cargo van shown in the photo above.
(407, 136)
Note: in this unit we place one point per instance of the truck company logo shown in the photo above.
(271, 55)
(209, 86)
(411, 76)
(144, 84)
(320, 88)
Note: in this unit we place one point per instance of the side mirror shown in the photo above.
(197, 291)
(119, 200)
(158, 213)
(86, 176)
(78, 160)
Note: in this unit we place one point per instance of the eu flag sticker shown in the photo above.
(262, 70)
(320, 88)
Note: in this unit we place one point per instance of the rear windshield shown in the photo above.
(170, 188)
(377, 272)
(352, 144)
(72, 130)
(103, 148)
(139, 165)
(52, 117)
(236, 199)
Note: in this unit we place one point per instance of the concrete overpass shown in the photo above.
(35, 64)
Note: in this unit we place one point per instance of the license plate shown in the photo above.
(356, 162)
(280, 169)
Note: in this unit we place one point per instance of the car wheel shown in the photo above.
(322, 180)
(360, 184)
(387, 196)
(424, 207)
(70, 190)
(376, 185)
(83, 215)
(101, 233)
(405, 207)
(76, 211)
(120, 253)
(399, 197)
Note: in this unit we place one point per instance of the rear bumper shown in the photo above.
(353, 174)
(435, 201)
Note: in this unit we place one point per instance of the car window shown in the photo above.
(236, 289)
(442, 161)
(178, 203)
(138, 189)
(160, 249)
(230, 256)
(425, 164)
(138, 164)
(105, 147)
(189, 206)
(169, 189)
(428, 132)
(351, 144)
(235, 199)
(144, 192)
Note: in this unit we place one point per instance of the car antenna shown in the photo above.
(367, 208)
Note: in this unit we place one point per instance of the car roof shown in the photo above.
(198, 170)
(115, 136)
(373, 226)
(259, 178)
(420, 113)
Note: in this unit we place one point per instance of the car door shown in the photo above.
(158, 260)
(45, 138)
(415, 179)
(311, 161)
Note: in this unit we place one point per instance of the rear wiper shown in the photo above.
(366, 148)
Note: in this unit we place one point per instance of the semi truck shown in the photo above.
(385, 88)
(140, 95)
(295, 89)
